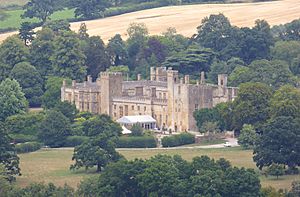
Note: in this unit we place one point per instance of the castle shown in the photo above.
(170, 100)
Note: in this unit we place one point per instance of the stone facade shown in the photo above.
(166, 97)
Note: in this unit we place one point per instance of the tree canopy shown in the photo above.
(8, 156)
(30, 80)
(164, 175)
(12, 99)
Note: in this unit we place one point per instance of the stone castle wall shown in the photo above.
(166, 97)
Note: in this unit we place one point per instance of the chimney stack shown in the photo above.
(89, 79)
(139, 77)
(202, 78)
(73, 83)
(64, 83)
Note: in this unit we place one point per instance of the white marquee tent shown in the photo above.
(145, 121)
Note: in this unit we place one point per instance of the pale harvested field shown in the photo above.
(186, 18)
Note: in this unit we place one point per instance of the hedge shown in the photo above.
(28, 147)
(136, 142)
(73, 141)
(177, 140)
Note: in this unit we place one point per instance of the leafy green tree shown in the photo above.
(12, 51)
(209, 115)
(222, 67)
(101, 124)
(273, 73)
(8, 157)
(285, 102)
(5, 186)
(285, 50)
(288, 31)
(173, 41)
(279, 143)
(12, 99)
(68, 58)
(247, 136)
(118, 179)
(100, 149)
(30, 80)
(41, 9)
(191, 61)
(239, 75)
(91, 8)
(26, 32)
(117, 51)
(97, 59)
(214, 32)
(155, 49)
(58, 26)
(252, 105)
(24, 124)
(67, 109)
(42, 48)
(137, 130)
(41, 189)
(164, 175)
(98, 152)
(137, 38)
(295, 65)
(275, 170)
(210, 128)
(54, 129)
(82, 32)
(159, 178)
(52, 93)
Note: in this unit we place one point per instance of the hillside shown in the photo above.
(186, 18)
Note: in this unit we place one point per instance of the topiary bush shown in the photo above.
(136, 142)
(178, 140)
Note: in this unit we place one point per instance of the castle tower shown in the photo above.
(172, 81)
(111, 86)
(222, 80)
(152, 74)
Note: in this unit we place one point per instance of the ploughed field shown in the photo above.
(52, 165)
(187, 17)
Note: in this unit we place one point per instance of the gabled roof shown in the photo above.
(136, 119)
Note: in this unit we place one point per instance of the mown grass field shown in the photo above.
(52, 165)
(14, 18)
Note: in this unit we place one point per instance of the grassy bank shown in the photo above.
(14, 18)
(52, 165)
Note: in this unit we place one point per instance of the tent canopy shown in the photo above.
(125, 131)
(136, 119)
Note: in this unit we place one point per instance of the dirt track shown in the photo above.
(186, 18)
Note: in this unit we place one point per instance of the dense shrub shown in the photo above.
(28, 147)
(22, 138)
(136, 142)
(177, 140)
(73, 141)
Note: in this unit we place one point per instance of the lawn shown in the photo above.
(52, 165)
(14, 18)
(4, 3)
